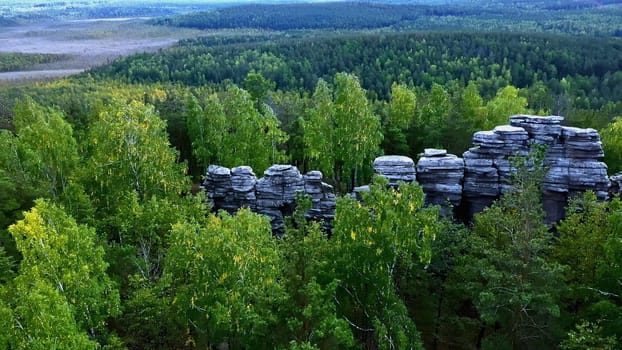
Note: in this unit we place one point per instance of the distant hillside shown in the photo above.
(337, 15)
(582, 17)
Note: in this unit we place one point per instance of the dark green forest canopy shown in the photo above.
(17, 61)
(570, 17)
(419, 59)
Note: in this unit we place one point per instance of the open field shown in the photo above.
(87, 43)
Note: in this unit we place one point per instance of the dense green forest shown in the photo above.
(18, 61)
(569, 17)
(107, 243)
(417, 59)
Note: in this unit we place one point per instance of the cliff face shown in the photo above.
(463, 185)
(471, 183)
(273, 195)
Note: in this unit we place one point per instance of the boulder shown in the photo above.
(441, 176)
(274, 195)
(323, 200)
(395, 169)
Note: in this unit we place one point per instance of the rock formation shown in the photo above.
(273, 195)
(441, 176)
(616, 185)
(395, 169)
(573, 158)
(467, 185)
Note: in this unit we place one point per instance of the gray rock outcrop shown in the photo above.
(441, 176)
(573, 157)
(395, 169)
(323, 200)
(468, 184)
(487, 165)
(616, 185)
(273, 195)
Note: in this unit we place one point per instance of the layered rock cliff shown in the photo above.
(462, 186)
(272, 195)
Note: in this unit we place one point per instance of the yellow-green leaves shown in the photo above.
(341, 133)
(230, 130)
(612, 145)
(224, 276)
(402, 106)
(506, 102)
(371, 242)
(130, 152)
(61, 261)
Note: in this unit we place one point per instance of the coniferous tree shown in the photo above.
(513, 284)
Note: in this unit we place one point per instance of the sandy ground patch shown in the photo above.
(88, 43)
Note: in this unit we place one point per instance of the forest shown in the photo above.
(108, 242)
(567, 17)
(17, 61)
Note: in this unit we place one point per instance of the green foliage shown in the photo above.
(493, 59)
(589, 243)
(148, 320)
(289, 107)
(432, 120)
(228, 130)
(402, 106)
(576, 18)
(342, 132)
(612, 145)
(318, 128)
(371, 242)
(129, 152)
(581, 237)
(506, 102)
(7, 267)
(64, 263)
(309, 281)
(258, 87)
(49, 153)
(587, 336)
(39, 160)
(188, 280)
(6, 318)
(513, 284)
(399, 115)
(470, 117)
(143, 228)
(43, 319)
(435, 292)
(14, 61)
(206, 128)
(224, 279)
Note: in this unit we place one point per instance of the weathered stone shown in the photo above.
(395, 169)
(273, 195)
(434, 152)
(573, 158)
(441, 176)
(616, 184)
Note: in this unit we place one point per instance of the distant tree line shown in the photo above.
(575, 17)
(20, 61)
(585, 72)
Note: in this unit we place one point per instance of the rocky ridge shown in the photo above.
(462, 186)
(272, 195)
